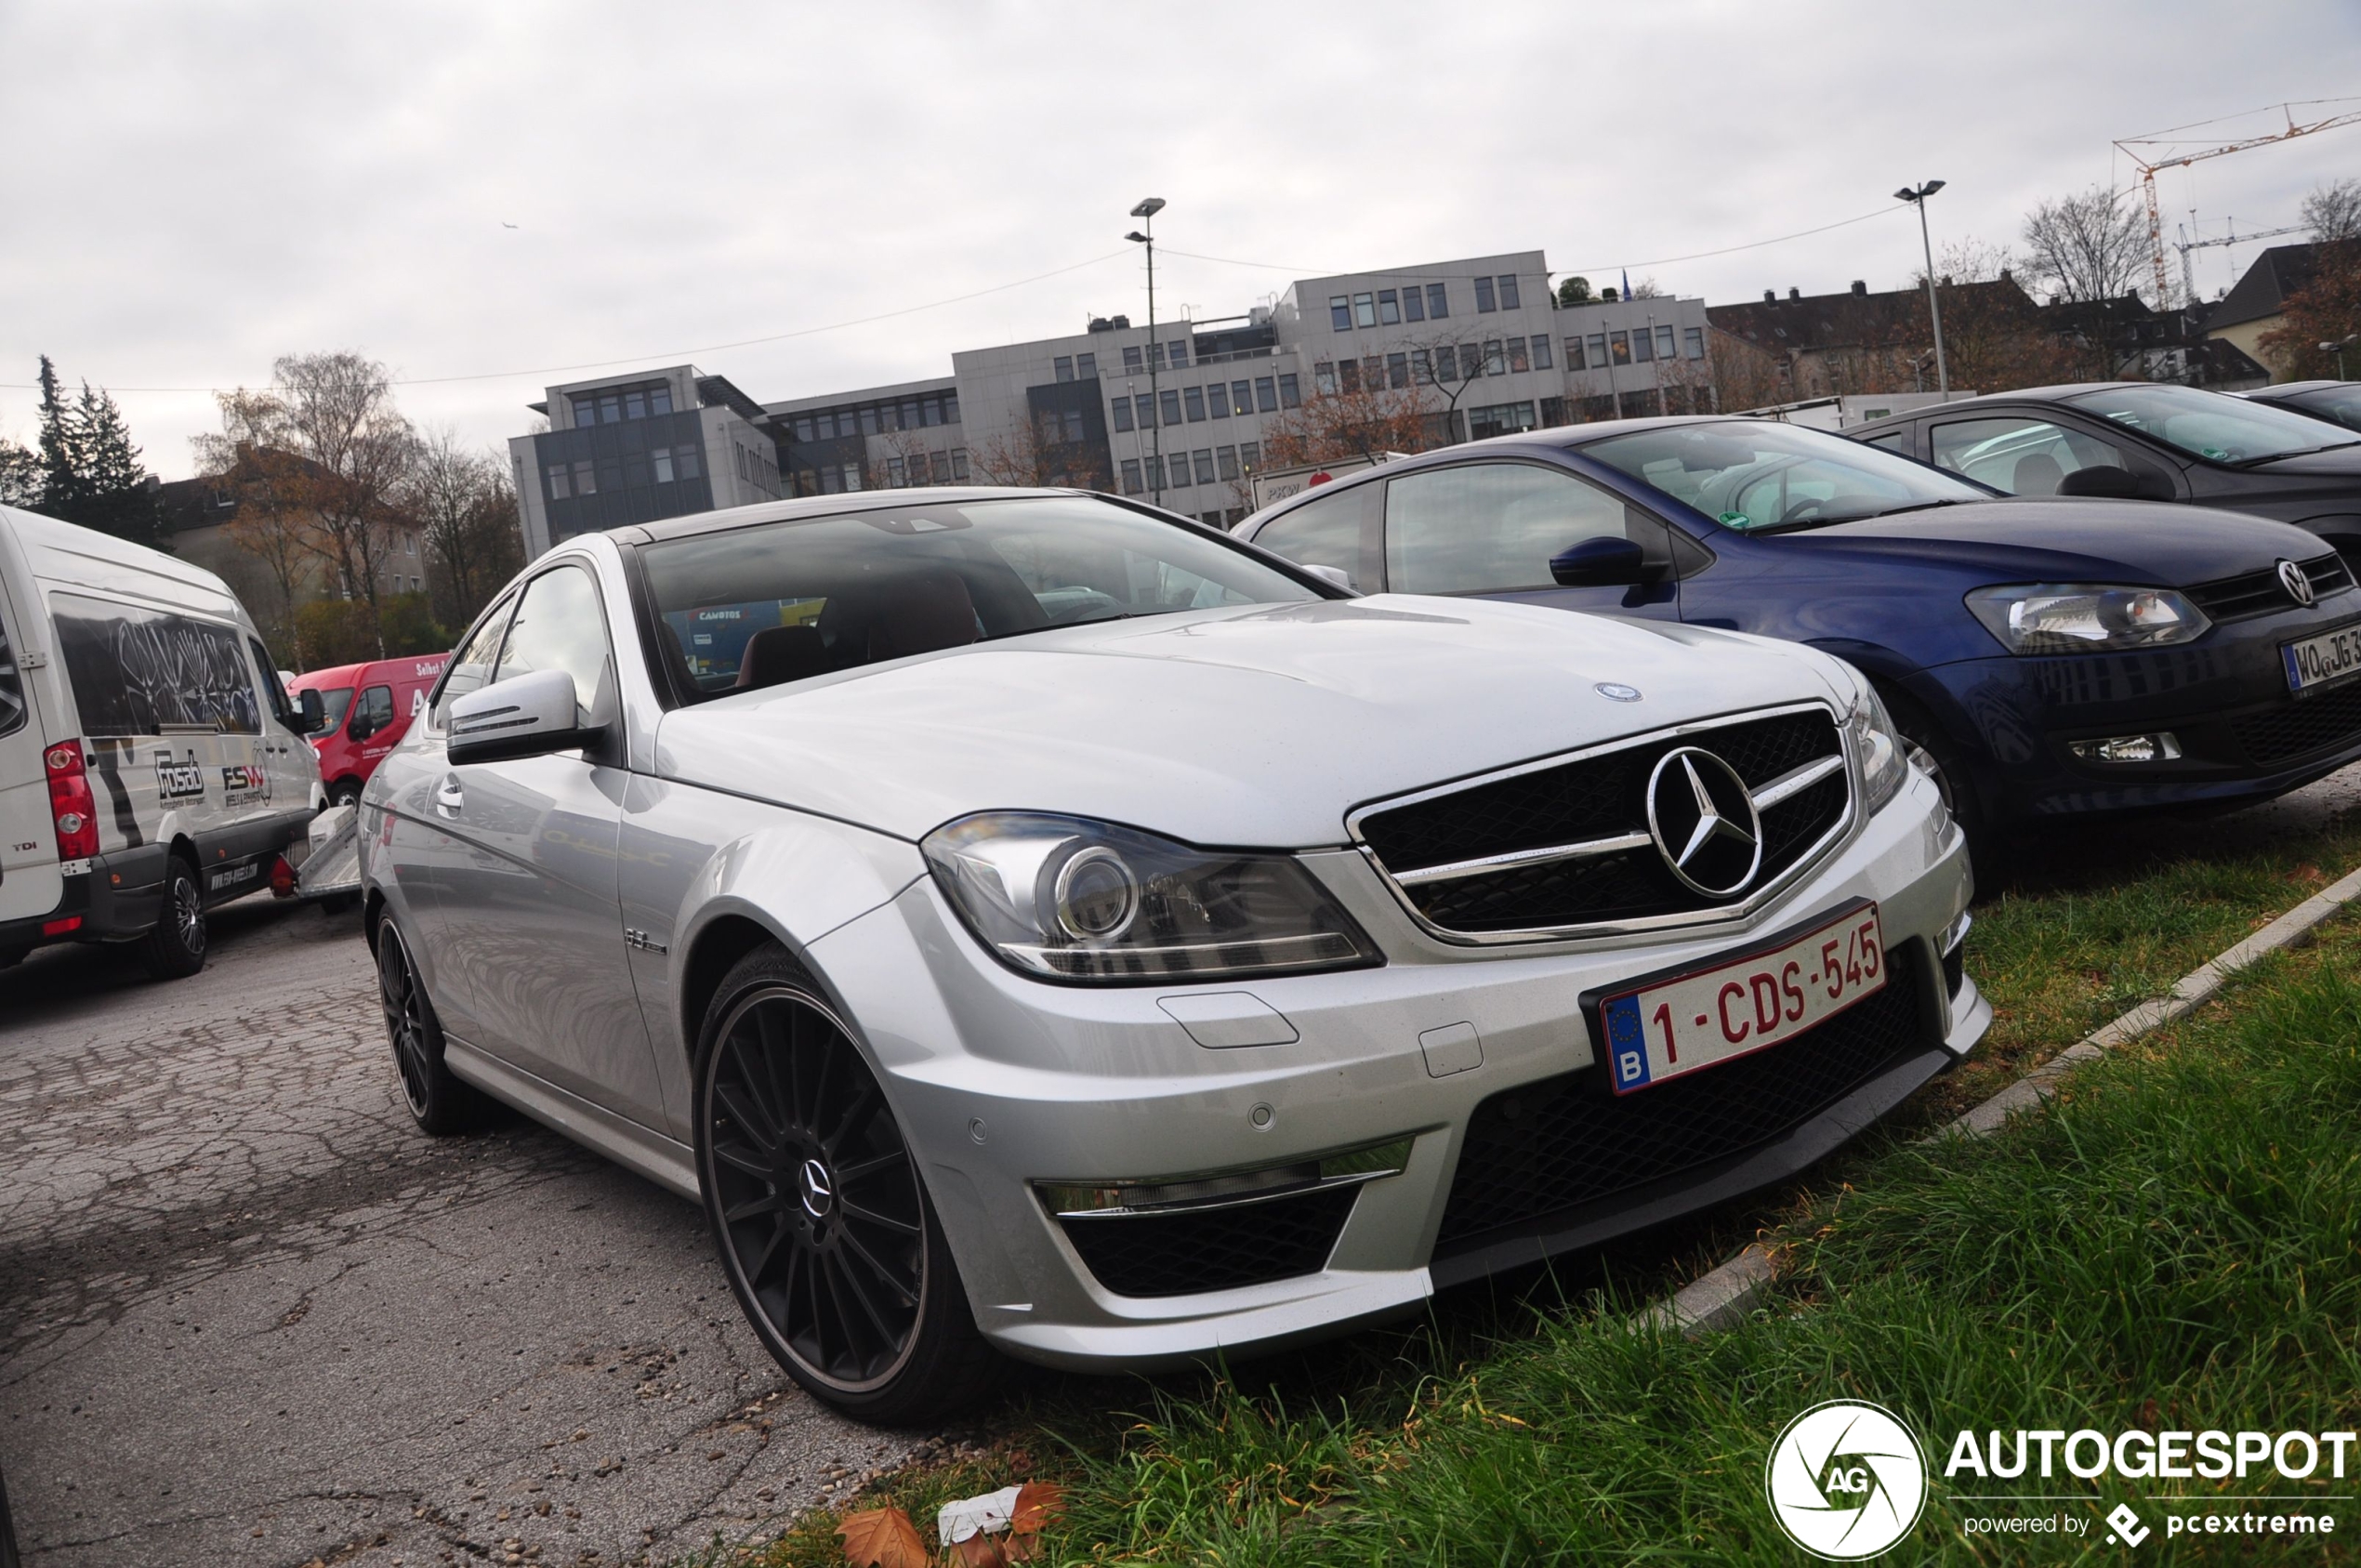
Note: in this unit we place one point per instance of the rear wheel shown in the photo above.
(441, 1104)
(830, 1242)
(344, 792)
(175, 946)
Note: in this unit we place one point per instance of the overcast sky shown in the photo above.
(192, 189)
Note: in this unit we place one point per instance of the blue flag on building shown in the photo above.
(1627, 283)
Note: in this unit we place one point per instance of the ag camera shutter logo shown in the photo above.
(1846, 1480)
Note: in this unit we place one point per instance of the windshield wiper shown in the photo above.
(2299, 452)
(1060, 626)
(1917, 506)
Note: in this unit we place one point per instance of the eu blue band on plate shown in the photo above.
(1626, 1044)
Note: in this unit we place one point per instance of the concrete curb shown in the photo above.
(1725, 1295)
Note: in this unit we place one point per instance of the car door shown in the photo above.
(1493, 528)
(2027, 455)
(30, 883)
(531, 919)
(371, 727)
(289, 767)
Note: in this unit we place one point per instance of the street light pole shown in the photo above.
(1917, 198)
(1146, 212)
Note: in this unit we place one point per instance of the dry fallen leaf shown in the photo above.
(881, 1538)
(1038, 1505)
(977, 1551)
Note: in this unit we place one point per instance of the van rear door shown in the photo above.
(30, 883)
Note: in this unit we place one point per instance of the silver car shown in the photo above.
(1030, 924)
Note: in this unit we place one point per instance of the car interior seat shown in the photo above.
(778, 655)
(2038, 473)
(921, 614)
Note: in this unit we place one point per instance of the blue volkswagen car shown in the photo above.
(2044, 657)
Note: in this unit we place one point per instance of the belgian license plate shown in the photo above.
(1684, 1023)
(2322, 660)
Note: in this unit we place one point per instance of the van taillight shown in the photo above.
(72, 805)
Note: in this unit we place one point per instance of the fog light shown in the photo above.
(2161, 748)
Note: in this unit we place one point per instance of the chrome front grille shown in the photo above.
(2259, 593)
(1565, 846)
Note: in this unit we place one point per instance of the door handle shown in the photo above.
(448, 799)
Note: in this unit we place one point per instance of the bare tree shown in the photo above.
(2086, 247)
(1362, 420)
(467, 513)
(1017, 456)
(2333, 212)
(273, 520)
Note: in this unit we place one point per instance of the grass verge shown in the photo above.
(2173, 1244)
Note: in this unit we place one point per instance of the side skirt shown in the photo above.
(662, 1161)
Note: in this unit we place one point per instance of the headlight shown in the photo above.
(1885, 763)
(2081, 618)
(1074, 899)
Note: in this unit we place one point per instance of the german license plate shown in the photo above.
(2322, 660)
(1684, 1023)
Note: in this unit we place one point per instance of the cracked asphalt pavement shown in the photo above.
(249, 1314)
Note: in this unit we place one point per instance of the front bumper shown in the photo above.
(2243, 735)
(1004, 1084)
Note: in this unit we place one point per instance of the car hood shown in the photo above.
(1262, 726)
(2038, 539)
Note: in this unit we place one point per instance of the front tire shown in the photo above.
(826, 1233)
(175, 946)
(438, 1101)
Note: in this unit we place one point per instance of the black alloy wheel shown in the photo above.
(825, 1231)
(175, 946)
(440, 1103)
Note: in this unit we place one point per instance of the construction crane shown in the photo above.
(2184, 245)
(2131, 148)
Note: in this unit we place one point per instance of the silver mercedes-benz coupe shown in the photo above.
(1030, 923)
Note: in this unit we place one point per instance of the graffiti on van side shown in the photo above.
(146, 672)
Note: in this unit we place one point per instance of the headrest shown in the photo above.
(921, 614)
(777, 654)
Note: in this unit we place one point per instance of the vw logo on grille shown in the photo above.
(1703, 820)
(2299, 587)
(818, 1190)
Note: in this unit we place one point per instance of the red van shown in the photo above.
(368, 708)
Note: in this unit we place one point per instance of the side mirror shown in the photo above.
(310, 718)
(523, 716)
(1335, 574)
(1599, 563)
(2116, 484)
(359, 727)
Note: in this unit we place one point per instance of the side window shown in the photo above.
(560, 624)
(1490, 526)
(372, 713)
(2020, 455)
(1892, 441)
(1334, 531)
(137, 671)
(471, 665)
(12, 704)
(274, 692)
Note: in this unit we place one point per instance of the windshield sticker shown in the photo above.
(1738, 521)
(179, 781)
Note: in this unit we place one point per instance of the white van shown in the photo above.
(152, 765)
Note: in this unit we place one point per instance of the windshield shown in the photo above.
(334, 701)
(2211, 424)
(1751, 475)
(2340, 403)
(804, 597)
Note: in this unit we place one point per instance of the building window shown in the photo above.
(1265, 398)
(1217, 401)
(1147, 410)
(1508, 282)
(1073, 424)
(933, 407)
(951, 408)
(1553, 412)
(585, 481)
(661, 461)
(1693, 341)
(1227, 457)
(1484, 296)
(869, 420)
(853, 476)
(1373, 370)
(687, 462)
(1413, 307)
(559, 489)
(959, 463)
(1132, 483)
(1421, 367)
(1340, 313)
(1193, 399)
(1132, 360)
(1250, 453)
(1365, 309)
(1574, 353)
(1541, 353)
(1178, 476)
(1348, 376)
(1438, 303)
(1618, 347)
(1397, 370)
(1180, 353)
(1203, 457)
(1664, 342)
(1121, 409)
(1642, 352)
(1062, 367)
(1446, 363)
(1389, 307)
(1499, 419)
(1323, 376)
(940, 462)
(894, 478)
(1493, 364)
(1155, 356)
(1241, 397)
(1288, 395)
(804, 427)
(1170, 403)
(1599, 351)
(1518, 363)
(1470, 366)
(1085, 367)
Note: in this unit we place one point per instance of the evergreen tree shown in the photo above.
(20, 476)
(89, 469)
(56, 445)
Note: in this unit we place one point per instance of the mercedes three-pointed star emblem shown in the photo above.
(819, 1189)
(1703, 820)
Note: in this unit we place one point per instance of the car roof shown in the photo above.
(2060, 393)
(832, 506)
(2287, 387)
